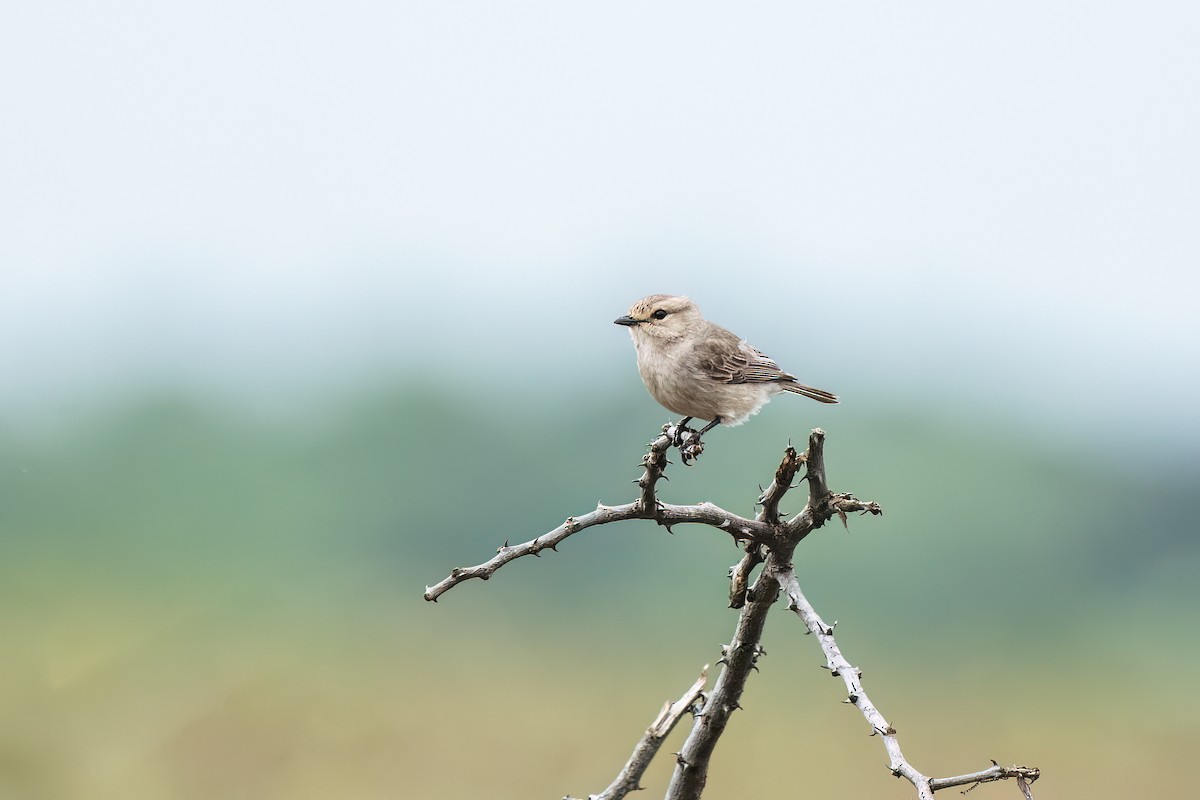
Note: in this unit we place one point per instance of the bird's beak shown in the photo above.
(627, 321)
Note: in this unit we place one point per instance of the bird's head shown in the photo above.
(661, 317)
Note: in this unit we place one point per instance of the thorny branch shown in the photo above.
(741, 656)
(646, 506)
(768, 540)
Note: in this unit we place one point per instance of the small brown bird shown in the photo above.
(700, 370)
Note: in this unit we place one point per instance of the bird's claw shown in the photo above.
(686, 440)
(682, 434)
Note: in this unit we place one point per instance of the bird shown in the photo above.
(698, 369)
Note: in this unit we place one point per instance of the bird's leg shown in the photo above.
(691, 451)
(680, 428)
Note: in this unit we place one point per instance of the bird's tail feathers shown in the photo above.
(820, 395)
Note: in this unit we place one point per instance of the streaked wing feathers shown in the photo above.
(738, 362)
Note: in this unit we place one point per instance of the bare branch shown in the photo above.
(707, 513)
(655, 464)
(647, 506)
(857, 697)
(630, 777)
(818, 488)
(850, 675)
(739, 575)
(506, 553)
(783, 481)
(822, 503)
(666, 515)
(769, 541)
(739, 657)
(1024, 776)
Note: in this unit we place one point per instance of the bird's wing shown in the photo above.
(730, 360)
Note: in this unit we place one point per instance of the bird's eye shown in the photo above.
(660, 314)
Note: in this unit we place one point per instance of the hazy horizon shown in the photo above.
(989, 208)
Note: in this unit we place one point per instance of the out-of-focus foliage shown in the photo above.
(197, 605)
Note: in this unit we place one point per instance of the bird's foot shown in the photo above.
(681, 434)
(687, 440)
(691, 448)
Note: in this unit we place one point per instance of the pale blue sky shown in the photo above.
(259, 201)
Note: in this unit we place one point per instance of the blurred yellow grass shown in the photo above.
(113, 702)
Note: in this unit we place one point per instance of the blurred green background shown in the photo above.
(302, 308)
